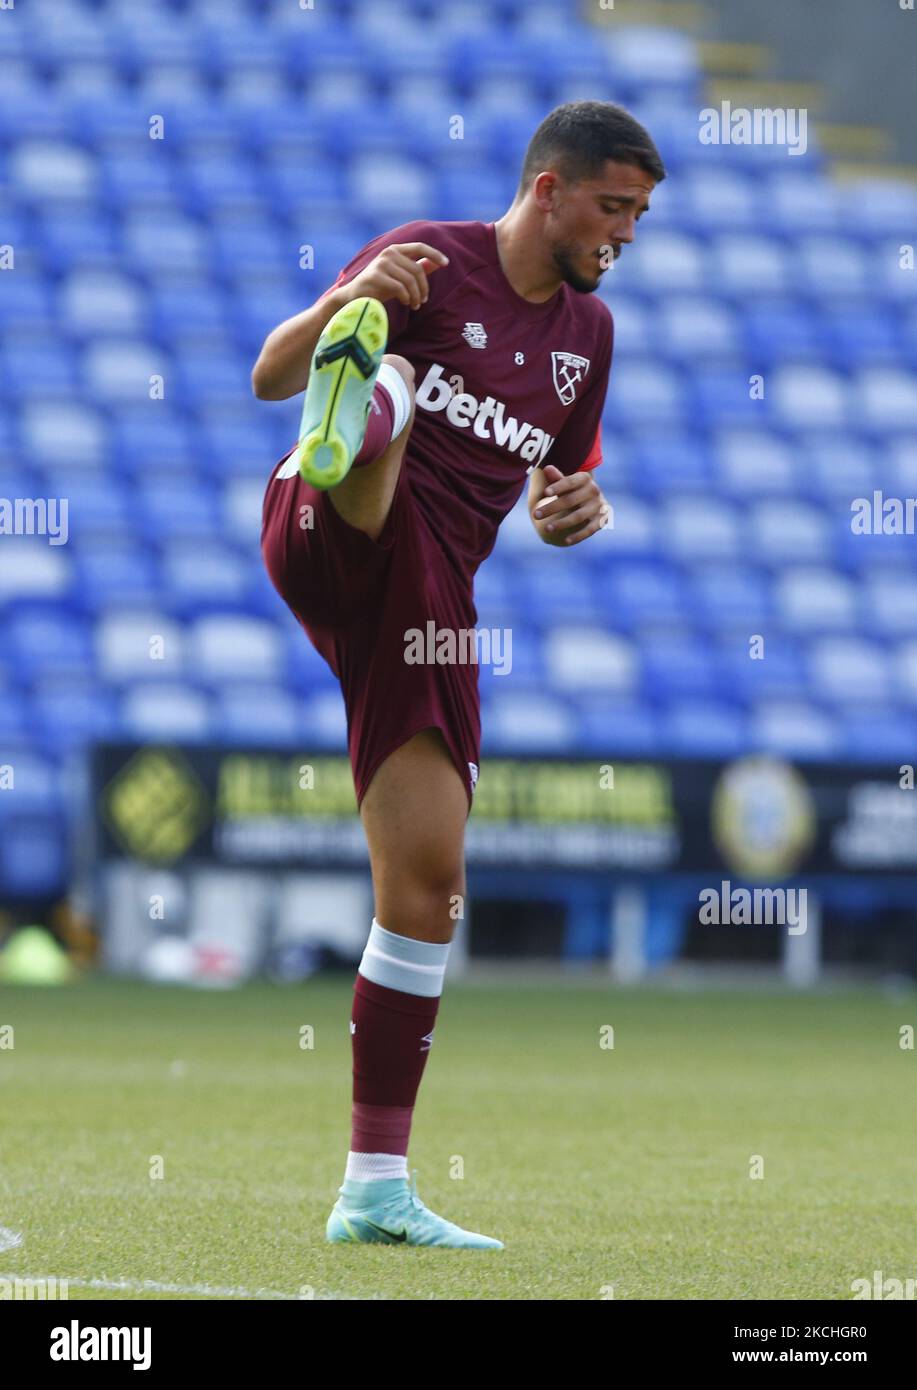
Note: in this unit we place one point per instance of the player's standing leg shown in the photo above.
(414, 814)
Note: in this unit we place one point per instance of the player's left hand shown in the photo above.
(579, 511)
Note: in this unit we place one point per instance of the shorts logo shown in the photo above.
(569, 370)
(473, 769)
(474, 335)
(428, 1039)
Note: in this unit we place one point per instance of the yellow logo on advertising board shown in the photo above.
(764, 818)
(156, 805)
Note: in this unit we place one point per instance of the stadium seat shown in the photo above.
(704, 729)
(794, 730)
(135, 645)
(227, 647)
(588, 659)
(152, 711)
(528, 721)
(845, 669)
(810, 599)
(256, 713)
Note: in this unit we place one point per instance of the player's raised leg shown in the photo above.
(364, 498)
(414, 814)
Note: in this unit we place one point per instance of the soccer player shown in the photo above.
(375, 523)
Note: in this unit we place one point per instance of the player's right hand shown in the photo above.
(398, 272)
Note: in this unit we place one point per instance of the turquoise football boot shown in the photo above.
(344, 368)
(396, 1216)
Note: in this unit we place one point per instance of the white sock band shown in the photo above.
(400, 962)
(373, 1167)
(394, 384)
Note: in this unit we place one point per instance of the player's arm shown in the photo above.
(566, 509)
(399, 272)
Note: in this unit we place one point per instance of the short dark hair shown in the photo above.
(578, 138)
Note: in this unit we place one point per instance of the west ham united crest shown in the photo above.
(569, 370)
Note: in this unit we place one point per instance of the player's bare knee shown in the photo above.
(437, 874)
(435, 905)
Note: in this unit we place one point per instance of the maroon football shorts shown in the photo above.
(358, 600)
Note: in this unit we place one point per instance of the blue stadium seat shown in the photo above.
(905, 668)
(782, 530)
(256, 713)
(45, 639)
(749, 263)
(693, 327)
(890, 602)
(674, 664)
(72, 713)
(849, 669)
(777, 327)
(138, 644)
(613, 727)
(830, 265)
(778, 673)
(323, 722)
(699, 528)
(34, 857)
(794, 730)
(754, 461)
(94, 301)
(173, 508)
(704, 729)
(727, 593)
(226, 647)
(36, 365)
(668, 460)
(531, 721)
(808, 397)
(149, 712)
(809, 599)
(33, 568)
(196, 571)
(583, 659)
(113, 573)
(645, 593)
(646, 392)
(15, 719)
(878, 733)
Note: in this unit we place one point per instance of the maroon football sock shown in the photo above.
(391, 1037)
(379, 424)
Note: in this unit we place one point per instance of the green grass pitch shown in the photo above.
(608, 1171)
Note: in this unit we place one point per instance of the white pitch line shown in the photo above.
(9, 1239)
(154, 1286)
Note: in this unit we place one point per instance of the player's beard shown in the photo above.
(564, 254)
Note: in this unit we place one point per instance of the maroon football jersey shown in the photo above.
(502, 385)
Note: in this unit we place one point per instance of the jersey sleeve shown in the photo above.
(399, 315)
(578, 446)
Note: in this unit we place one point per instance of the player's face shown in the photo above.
(590, 222)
